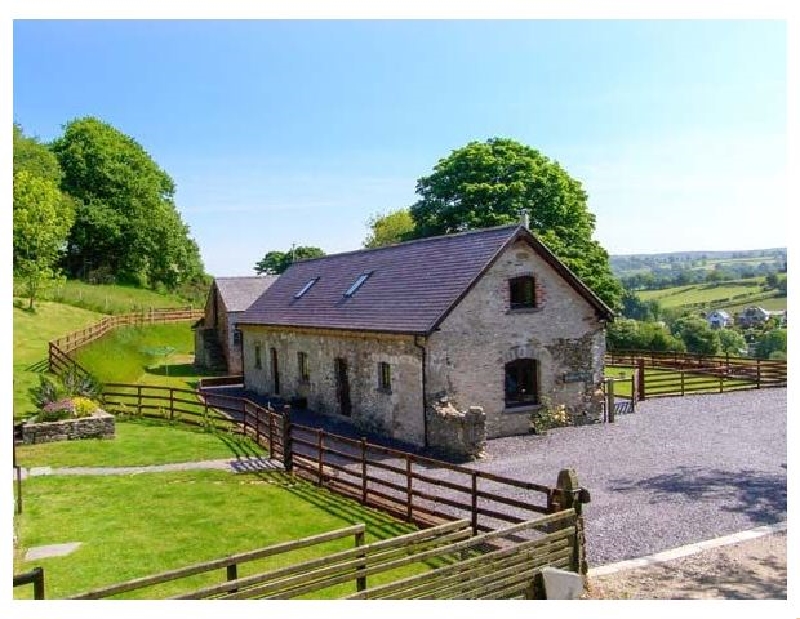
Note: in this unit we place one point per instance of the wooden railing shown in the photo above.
(59, 359)
(451, 560)
(36, 578)
(678, 374)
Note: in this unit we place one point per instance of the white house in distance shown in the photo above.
(719, 319)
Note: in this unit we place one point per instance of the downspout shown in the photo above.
(424, 386)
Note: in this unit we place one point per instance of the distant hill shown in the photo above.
(735, 262)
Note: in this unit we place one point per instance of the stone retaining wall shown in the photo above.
(99, 425)
(456, 433)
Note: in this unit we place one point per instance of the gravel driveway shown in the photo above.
(680, 470)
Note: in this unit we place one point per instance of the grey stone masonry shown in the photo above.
(457, 433)
(99, 425)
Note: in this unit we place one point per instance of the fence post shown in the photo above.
(721, 384)
(38, 583)
(244, 417)
(231, 574)
(171, 403)
(287, 438)
(683, 383)
(633, 392)
(363, 470)
(320, 435)
(567, 483)
(19, 489)
(610, 399)
(474, 503)
(139, 399)
(640, 377)
(758, 373)
(361, 579)
(270, 424)
(409, 506)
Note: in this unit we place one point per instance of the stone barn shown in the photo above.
(487, 318)
(217, 341)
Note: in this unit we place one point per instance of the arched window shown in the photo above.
(523, 292)
(522, 382)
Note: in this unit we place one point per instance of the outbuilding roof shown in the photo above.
(238, 293)
(406, 288)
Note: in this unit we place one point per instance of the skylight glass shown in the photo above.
(357, 284)
(305, 288)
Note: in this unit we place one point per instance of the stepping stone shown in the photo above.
(38, 471)
(561, 584)
(53, 550)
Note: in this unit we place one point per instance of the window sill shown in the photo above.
(527, 409)
(524, 310)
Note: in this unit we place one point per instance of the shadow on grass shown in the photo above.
(40, 366)
(178, 370)
(759, 496)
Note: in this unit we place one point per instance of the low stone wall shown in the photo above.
(457, 433)
(99, 425)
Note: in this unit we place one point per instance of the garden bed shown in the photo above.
(99, 424)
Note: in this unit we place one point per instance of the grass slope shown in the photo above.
(109, 299)
(32, 332)
(133, 526)
(702, 293)
(140, 443)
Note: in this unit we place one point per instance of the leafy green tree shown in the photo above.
(276, 262)
(42, 219)
(697, 336)
(773, 341)
(731, 341)
(389, 228)
(628, 334)
(487, 183)
(34, 157)
(126, 222)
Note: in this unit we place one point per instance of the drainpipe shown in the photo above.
(424, 385)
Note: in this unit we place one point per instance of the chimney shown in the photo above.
(524, 219)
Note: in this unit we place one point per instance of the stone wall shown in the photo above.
(99, 425)
(397, 412)
(468, 353)
(461, 434)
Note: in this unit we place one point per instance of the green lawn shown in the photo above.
(668, 381)
(140, 443)
(32, 332)
(109, 299)
(703, 293)
(136, 525)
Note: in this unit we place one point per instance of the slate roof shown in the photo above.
(411, 288)
(238, 293)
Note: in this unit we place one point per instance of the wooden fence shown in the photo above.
(59, 359)
(451, 561)
(678, 374)
(36, 578)
(421, 490)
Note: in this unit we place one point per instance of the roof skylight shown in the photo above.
(357, 284)
(305, 288)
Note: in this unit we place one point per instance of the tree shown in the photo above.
(487, 183)
(126, 223)
(34, 157)
(276, 262)
(697, 336)
(42, 219)
(389, 228)
(626, 334)
(773, 341)
(731, 341)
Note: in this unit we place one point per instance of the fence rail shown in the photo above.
(679, 374)
(36, 578)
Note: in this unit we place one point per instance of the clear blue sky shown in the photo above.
(296, 132)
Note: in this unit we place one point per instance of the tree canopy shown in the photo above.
(276, 262)
(389, 228)
(126, 226)
(487, 183)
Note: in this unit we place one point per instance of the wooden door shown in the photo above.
(276, 376)
(343, 387)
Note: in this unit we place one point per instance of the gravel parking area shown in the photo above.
(679, 470)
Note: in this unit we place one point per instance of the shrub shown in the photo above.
(46, 393)
(76, 384)
(56, 411)
(84, 407)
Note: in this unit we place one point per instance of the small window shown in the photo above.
(357, 284)
(523, 292)
(305, 288)
(302, 367)
(237, 338)
(384, 376)
(257, 350)
(522, 383)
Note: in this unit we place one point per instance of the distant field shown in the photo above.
(771, 304)
(108, 299)
(703, 293)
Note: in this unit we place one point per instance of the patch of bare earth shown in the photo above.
(750, 570)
